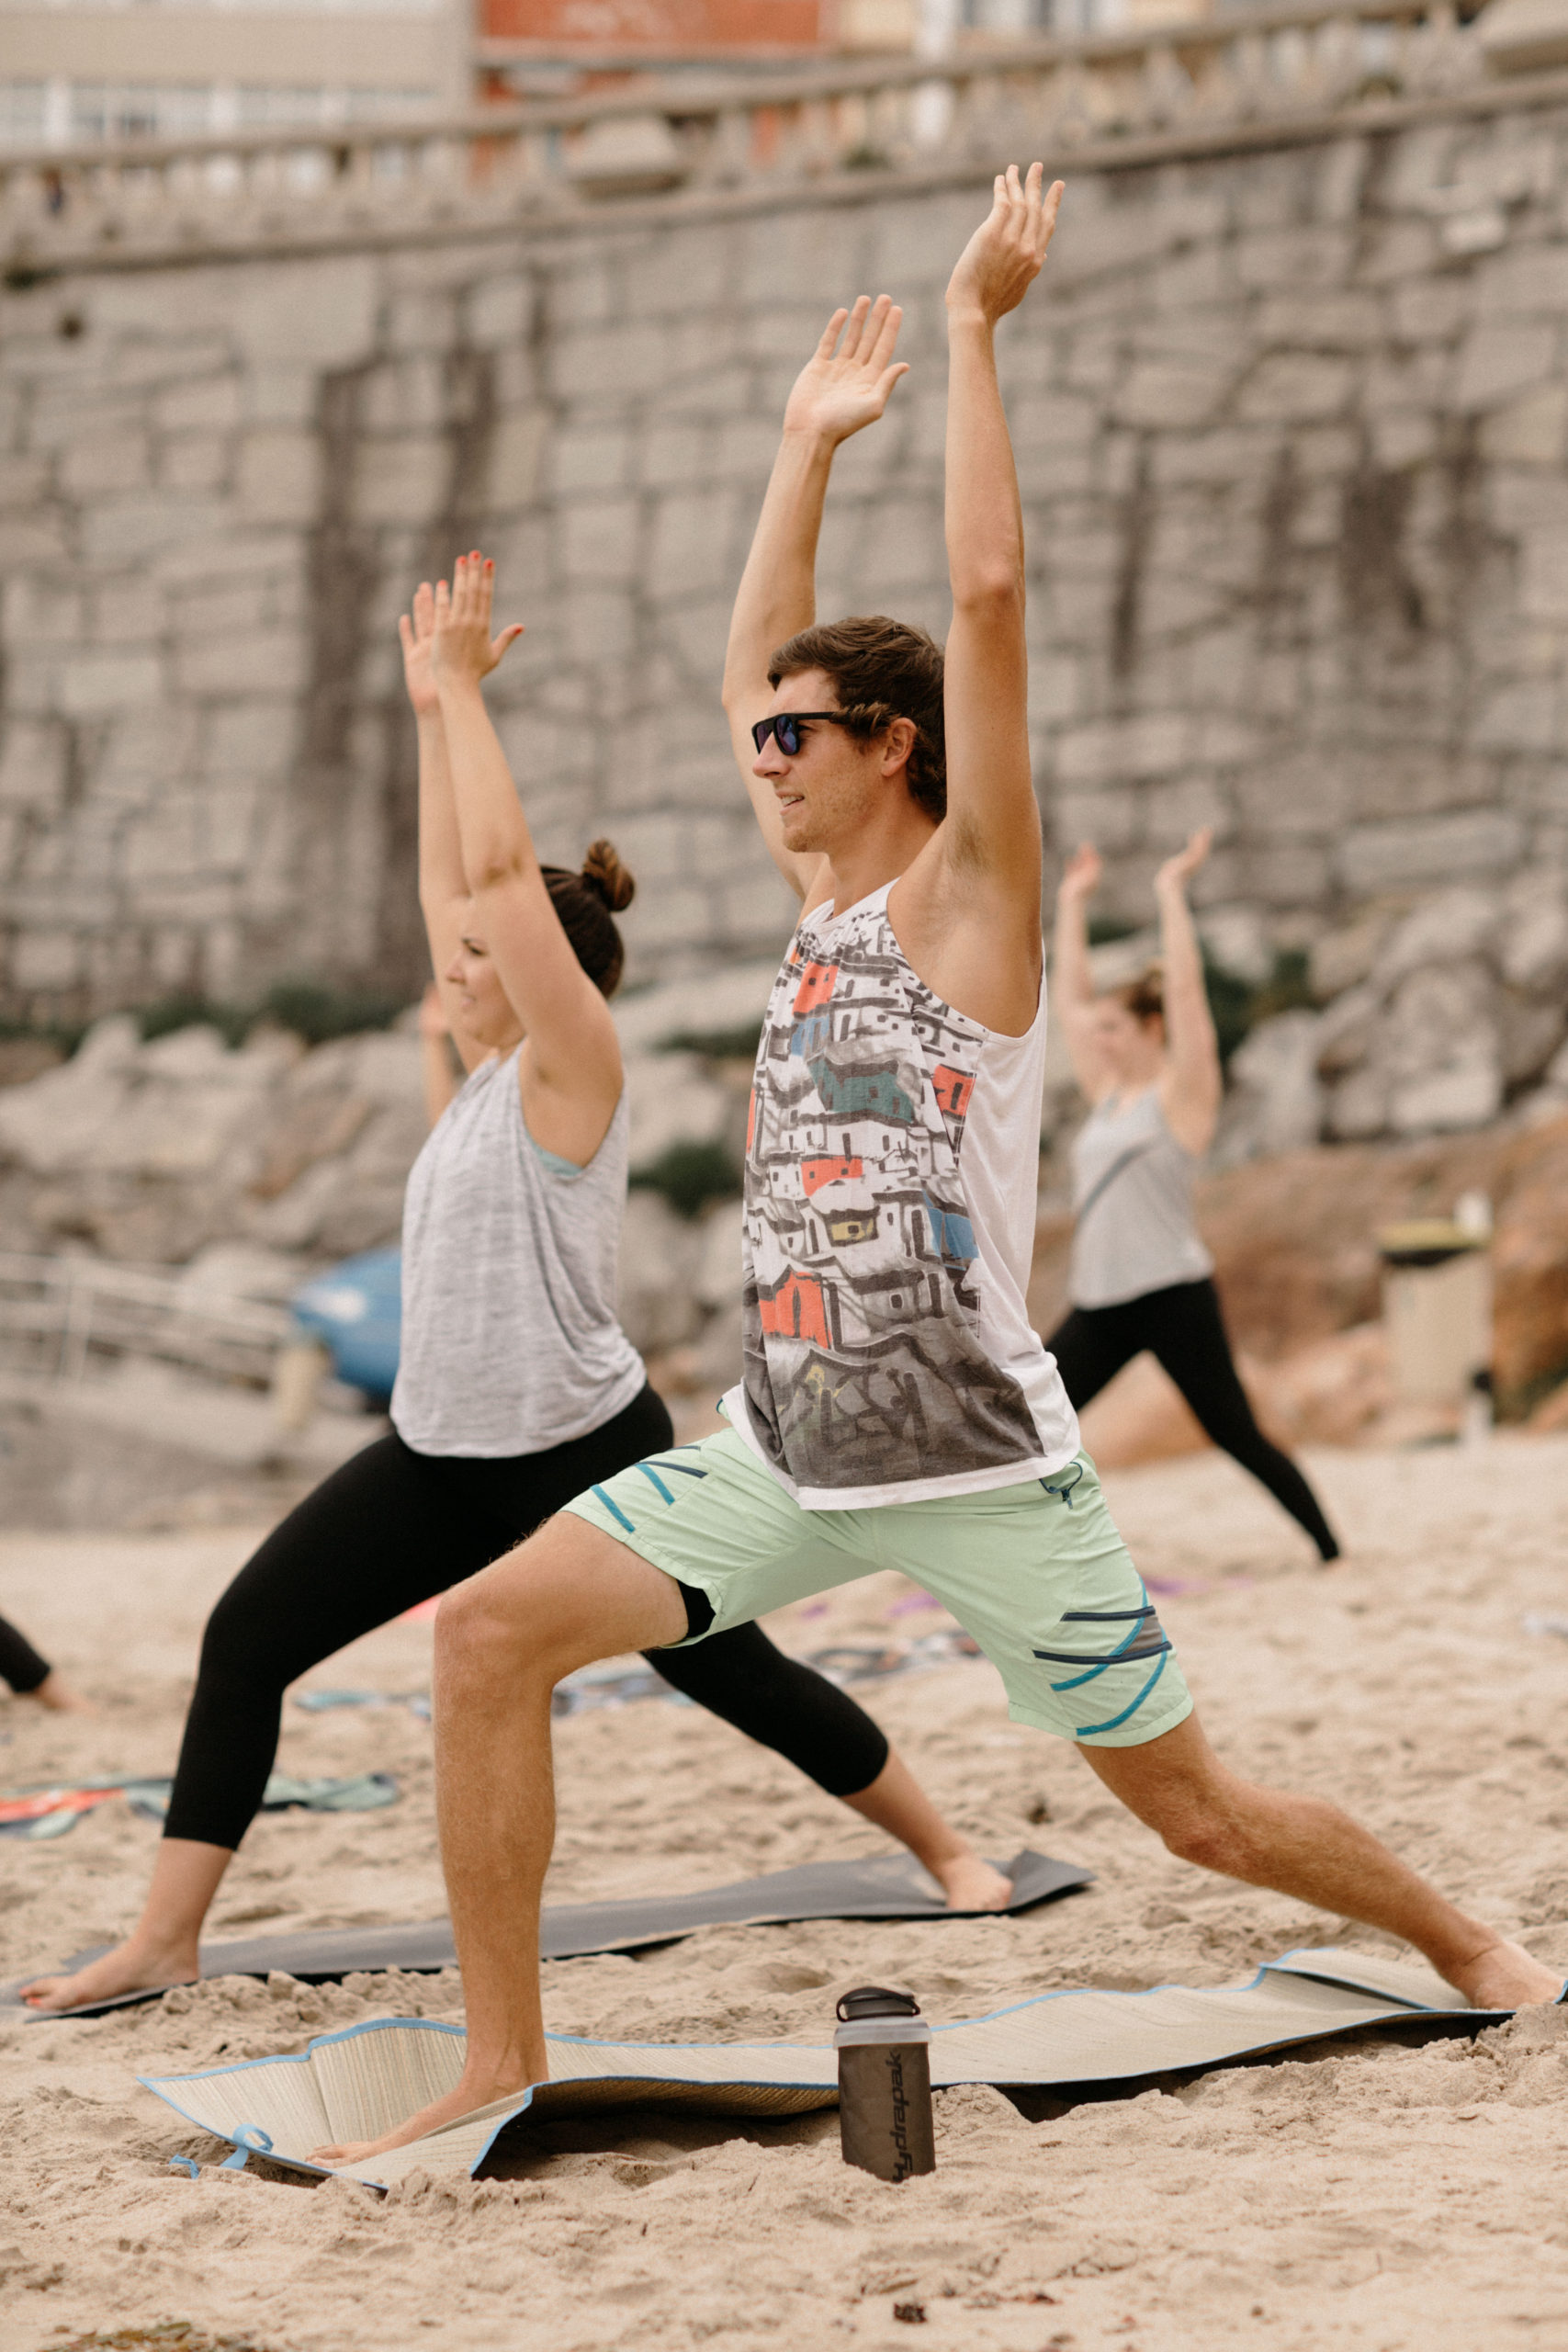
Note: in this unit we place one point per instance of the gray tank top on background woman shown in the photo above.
(1132, 1201)
(510, 1342)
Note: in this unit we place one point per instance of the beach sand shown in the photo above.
(1365, 2195)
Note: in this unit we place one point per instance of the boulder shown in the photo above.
(1276, 1100)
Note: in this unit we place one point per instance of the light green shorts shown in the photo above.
(1037, 1573)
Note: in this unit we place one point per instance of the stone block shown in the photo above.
(1527, 279)
(598, 542)
(1403, 854)
(1114, 751)
(613, 366)
(1530, 431)
(1499, 358)
(1543, 581)
(1296, 387)
(318, 313)
(279, 476)
(422, 320)
(254, 661)
(674, 455)
(211, 404)
(33, 765)
(282, 395)
(249, 738)
(1330, 319)
(401, 478)
(1431, 310)
(1402, 438)
(23, 478)
(1522, 716)
(98, 684)
(194, 460)
(45, 959)
(1169, 395)
(405, 395)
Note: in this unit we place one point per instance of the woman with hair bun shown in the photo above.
(1146, 1056)
(516, 1387)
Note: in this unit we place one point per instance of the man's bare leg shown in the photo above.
(503, 1640)
(1302, 1847)
(162, 1948)
(897, 1803)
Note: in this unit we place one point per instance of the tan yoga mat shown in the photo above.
(360, 2083)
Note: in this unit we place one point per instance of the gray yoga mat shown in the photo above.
(878, 1886)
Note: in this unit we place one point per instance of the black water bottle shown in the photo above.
(885, 2082)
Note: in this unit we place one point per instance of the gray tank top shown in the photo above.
(510, 1342)
(1132, 1200)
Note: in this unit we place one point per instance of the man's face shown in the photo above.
(828, 787)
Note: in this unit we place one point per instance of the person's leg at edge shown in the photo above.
(748, 1681)
(380, 1534)
(1302, 1847)
(32, 1676)
(568, 1596)
(1188, 1338)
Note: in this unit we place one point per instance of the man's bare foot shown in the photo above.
(57, 1694)
(1504, 1977)
(467, 2099)
(129, 1967)
(971, 1884)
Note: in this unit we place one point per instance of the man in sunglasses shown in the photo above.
(897, 1409)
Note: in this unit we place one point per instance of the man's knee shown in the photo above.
(493, 1623)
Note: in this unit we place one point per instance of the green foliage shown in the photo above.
(1238, 1005)
(690, 1175)
(1105, 930)
(310, 1008)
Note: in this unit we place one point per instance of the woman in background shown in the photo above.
(1146, 1056)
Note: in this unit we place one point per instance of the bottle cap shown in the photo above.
(877, 2001)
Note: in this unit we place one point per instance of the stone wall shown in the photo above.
(1291, 427)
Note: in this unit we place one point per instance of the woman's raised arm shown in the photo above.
(1072, 983)
(571, 1065)
(1193, 1082)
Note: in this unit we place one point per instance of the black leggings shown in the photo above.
(20, 1664)
(1182, 1328)
(392, 1528)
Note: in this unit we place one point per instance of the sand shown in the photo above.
(1375, 2195)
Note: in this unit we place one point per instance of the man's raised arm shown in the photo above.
(843, 386)
(992, 835)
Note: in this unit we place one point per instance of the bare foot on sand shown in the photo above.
(129, 1967)
(57, 1694)
(971, 1884)
(467, 2099)
(1504, 1977)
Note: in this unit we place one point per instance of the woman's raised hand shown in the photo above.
(1081, 878)
(417, 632)
(849, 378)
(1177, 871)
(462, 649)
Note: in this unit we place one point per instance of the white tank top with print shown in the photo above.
(891, 1174)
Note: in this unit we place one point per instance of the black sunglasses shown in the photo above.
(785, 725)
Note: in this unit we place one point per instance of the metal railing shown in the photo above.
(57, 1314)
(551, 157)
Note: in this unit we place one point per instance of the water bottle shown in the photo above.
(885, 2082)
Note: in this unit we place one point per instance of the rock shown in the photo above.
(1342, 959)
(1449, 925)
(719, 1004)
(1276, 1101)
(717, 1283)
(659, 1261)
(1533, 938)
(673, 1100)
(1439, 1045)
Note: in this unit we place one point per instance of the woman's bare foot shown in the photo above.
(971, 1884)
(1506, 1977)
(129, 1967)
(57, 1694)
(467, 2099)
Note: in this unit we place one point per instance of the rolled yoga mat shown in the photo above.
(361, 2083)
(875, 1886)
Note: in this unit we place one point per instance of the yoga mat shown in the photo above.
(876, 1886)
(360, 2083)
(54, 1810)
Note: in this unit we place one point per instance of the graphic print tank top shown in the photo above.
(891, 1172)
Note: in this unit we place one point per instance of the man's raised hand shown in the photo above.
(462, 649)
(1081, 878)
(847, 381)
(1007, 252)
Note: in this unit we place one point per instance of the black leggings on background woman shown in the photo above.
(1184, 1331)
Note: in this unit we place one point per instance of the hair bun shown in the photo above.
(605, 874)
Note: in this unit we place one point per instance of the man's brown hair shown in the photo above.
(1144, 997)
(882, 670)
